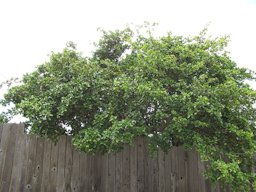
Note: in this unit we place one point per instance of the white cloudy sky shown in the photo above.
(31, 29)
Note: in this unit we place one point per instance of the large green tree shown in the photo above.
(172, 90)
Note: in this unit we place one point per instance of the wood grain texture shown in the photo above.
(38, 169)
(45, 185)
(5, 138)
(53, 166)
(68, 165)
(133, 166)
(33, 164)
(17, 161)
(75, 180)
(61, 164)
(125, 169)
(9, 156)
(111, 172)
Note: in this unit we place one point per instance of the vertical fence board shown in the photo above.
(53, 166)
(88, 176)
(174, 168)
(45, 186)
(75, 180)
(38, 171)
(61, 164)
(30, 162)
(118, 169)
(181, 170)
(96, 172)
(17, 161)
(83, 174)
(8, 162)
(146, 166)
(68, 165)
(153, 173)
(186, 171)
(201, 178)
(133, 166)
(91, 173)
(104, 173)
(161, 171)
(168, 172)
(22, 183)
(6, 137)
(111, 172)
(140, 166)
(1, 130)
(193, 171)
(125, 170)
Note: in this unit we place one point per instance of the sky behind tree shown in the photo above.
(30, 30)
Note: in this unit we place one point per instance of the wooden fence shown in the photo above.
(30, 163)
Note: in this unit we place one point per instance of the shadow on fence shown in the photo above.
(31, 163)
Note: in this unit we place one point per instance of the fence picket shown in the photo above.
(30, 163)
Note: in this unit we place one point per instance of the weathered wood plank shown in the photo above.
(140, 166)
(90, 168)
(174, 168)
(17, 161)
(83, 173)
(192, 171)
(181, 172)
(118, 169)
(75, 179)
(146, 165)
(186, 171)
(61, 164)
(133, 166)
(53, 166)
(153, 173)
(1, 130)
(104, 173)
(201, 179)
(22, 184)
(111, 172)
(46, 166)
(30, 162)
(96, 173)
(94, 178)
(161, 171)
(6, 135)
(9, 155)
(207, 186)
(125, 169)
(38, 170)
(168, 174)
(68, 165)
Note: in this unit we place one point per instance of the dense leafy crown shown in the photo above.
(173, 90)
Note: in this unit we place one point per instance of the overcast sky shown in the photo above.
(31, 29)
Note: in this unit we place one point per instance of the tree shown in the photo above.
(172, 90)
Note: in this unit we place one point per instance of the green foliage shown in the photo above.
(113, 44)
(3, 119)
(172, 90)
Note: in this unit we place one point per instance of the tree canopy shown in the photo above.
(172, 90)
